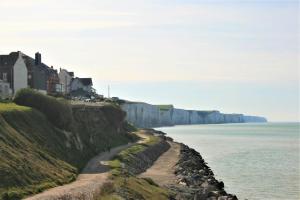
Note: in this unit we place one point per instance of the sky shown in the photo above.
(236, 56)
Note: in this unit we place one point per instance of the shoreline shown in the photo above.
(180, 171)
(193, 177)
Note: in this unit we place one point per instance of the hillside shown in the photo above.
(32, 155)
(35, 154)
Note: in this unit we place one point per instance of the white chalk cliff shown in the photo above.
(146, 115)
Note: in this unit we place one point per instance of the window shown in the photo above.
(4, 77)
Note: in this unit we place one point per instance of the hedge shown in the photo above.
(57, 110)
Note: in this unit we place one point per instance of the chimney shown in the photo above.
(20, 54)
(38, 58)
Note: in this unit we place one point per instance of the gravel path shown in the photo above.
(89, 182)
(162, 171)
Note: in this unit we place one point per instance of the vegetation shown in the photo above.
(43, 143)
(165, 107)
(31, 153)
(131, 186)
(58, 111)
(139, 188)
(130, 128)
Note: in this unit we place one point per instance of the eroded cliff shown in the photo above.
(36, 155)
(146, 115)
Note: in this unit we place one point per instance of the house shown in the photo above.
(40, 76)
(65, 79)
(13, 71)
(53, 84)
(82, 84)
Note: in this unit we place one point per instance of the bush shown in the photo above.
(57, 111)
(12, 195)
(107, 188)
(129, 127)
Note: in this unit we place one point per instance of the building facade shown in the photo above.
(13, 71)
(65, 79)
(40, 76)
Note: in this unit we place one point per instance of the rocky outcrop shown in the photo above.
(146, 115)
(196, 180)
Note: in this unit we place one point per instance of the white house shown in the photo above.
(65, 79)
(13, 70)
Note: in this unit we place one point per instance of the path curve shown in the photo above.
(162, 171)
(88, 184)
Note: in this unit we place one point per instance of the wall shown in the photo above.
(20, 75)
(146, 115)
(65, 79)
(5, 90)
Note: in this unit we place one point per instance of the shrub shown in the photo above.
(12, 195)
(107, 188)
(129, 127)
(57, 111)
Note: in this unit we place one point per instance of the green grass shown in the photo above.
(126, 155)
(9, 107)
(136, 188)
(31, 153)
(35, 154)
(57, 110)
(165, 107)
(152, 140)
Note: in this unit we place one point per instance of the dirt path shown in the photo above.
(89, 182)
(162, 171)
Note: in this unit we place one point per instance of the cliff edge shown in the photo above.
(38, 152)
(145, 115)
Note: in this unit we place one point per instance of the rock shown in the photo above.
(182, 183)
(197, 178)
(220, 185)
(223, 198)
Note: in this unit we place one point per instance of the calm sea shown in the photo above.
(255, 161)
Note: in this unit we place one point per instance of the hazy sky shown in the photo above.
(238, 56)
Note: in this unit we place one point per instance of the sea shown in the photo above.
(256, 161)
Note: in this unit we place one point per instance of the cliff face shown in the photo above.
(36, 155)
(97, 128)
(147, 115)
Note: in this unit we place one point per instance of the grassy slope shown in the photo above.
(135, 188)
(36, 155)
(165, 107)
(29, 162)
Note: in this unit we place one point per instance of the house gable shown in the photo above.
(20, 74)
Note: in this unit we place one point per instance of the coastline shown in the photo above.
(196, 180)
(237, 152)
(193, 178)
